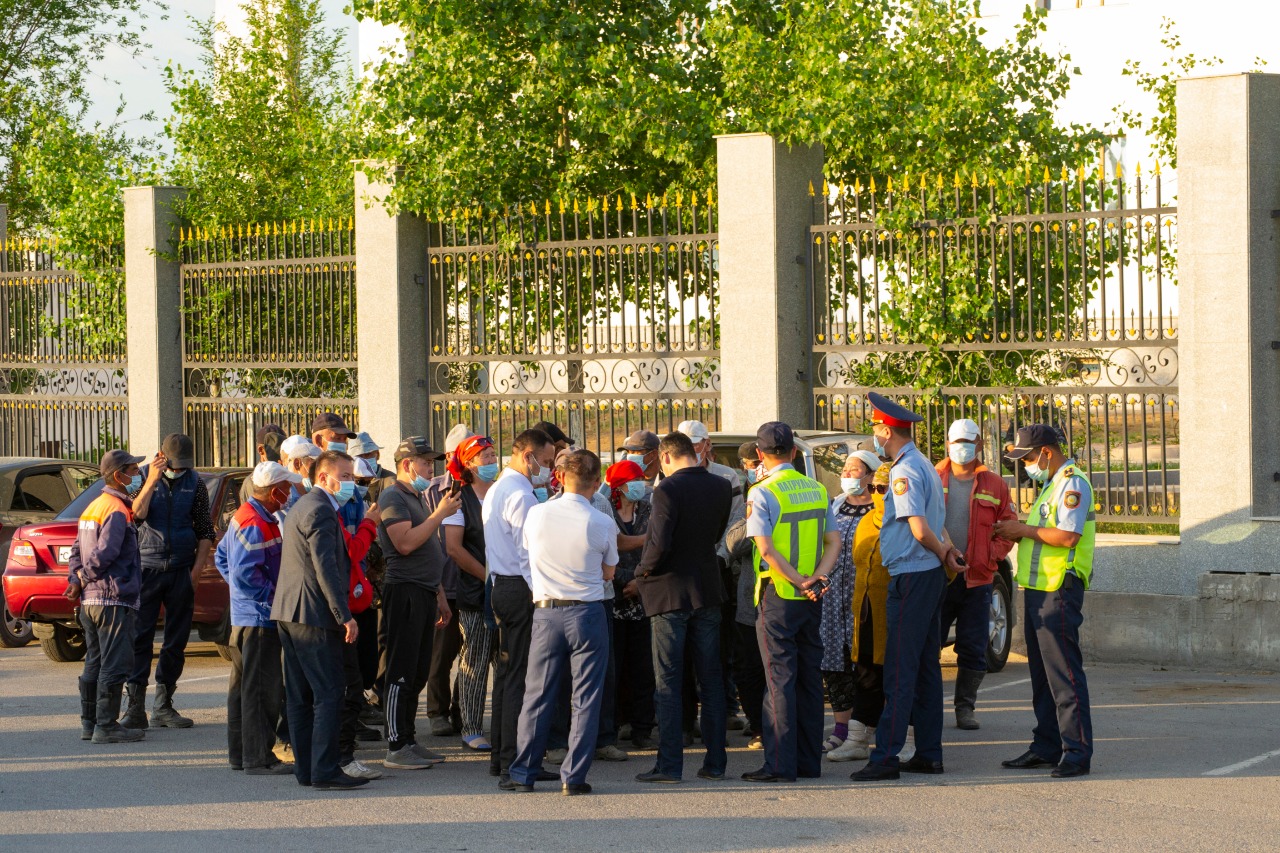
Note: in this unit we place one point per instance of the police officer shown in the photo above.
(916, 552)
(796, 546)
(1055, 561)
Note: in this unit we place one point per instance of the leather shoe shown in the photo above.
(1069, 770)
(656, 776)
(575, 790)
(547, 776)
(277, 769)
(342, 782)
(762, 776)
(1027, 761)
(711, 775)
(876, 773)
(920, 765)
(509, 784)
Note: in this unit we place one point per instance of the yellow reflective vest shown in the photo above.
(1043, 567)
(797, 531)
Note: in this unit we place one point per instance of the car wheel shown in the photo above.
(63, 645)
(224, 651)
(15, 632)
(1001, 637)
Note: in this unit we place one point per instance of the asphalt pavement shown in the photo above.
(1184, 760)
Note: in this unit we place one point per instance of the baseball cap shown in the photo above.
(114, 460)
(1033, 438)
(270, 437)
(553, 432)
(178, 450)
(696, 430)
(749, 452)
(287, 446)
(416, 445)
(641, 441)
(775, 438)
(269, 473)
(963, 429)
(365, 468)
(457, 435)
(363, 444)
(866, 457)
(304, 448)
(329, 420)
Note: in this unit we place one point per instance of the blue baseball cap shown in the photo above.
(775, 438)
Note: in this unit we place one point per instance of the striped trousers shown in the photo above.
(474, 659)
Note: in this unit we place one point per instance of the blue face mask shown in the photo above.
(172, 474)
(636, 490)
(420, 484)
(346, 491)
(852, 486)
(306, 484)
(752, 476)
(541, 494)
(337, 446)
(1036, 473)
(362, 491)
(962, 453)
(488, 473)
(637, 458)
(879, 448)
(135, 484)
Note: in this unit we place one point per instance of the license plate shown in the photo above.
(64, 554)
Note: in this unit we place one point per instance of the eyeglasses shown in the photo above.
(878, 489)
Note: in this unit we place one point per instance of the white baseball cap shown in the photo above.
(304, 449)
(696, 430)
(287, 446)
(963, 429)
(365, 468)
(270, 473)
(456, 436)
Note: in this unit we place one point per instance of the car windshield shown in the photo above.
(75, 509)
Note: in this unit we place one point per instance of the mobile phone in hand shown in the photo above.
(455, 488)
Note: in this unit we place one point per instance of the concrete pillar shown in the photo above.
(153, 293)
(1229, 315)
(765, 324)
(391, 295)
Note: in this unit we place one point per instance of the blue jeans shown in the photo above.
(314, 683)
(1059, 692)
(970, 609)
(701, 630)
(912, 671)
(577, 636)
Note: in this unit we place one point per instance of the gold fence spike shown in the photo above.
(533, 208)
(811, 189)
(693, 199)
(857, 186)
(664, 199)
(634, 206)
(873, 185)
(888, 184)
(826, 188)
(1047, 177)
(973, 179)
(940, 183)
(575, 206)
(1137, 170)
(618, 206)
(1156, 171)
(958, 183)
(906, 183)
(1119, 170)
(711, 199)
(679, 198)
(1066, 174)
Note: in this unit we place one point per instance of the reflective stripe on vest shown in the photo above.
(1043, 567)
(797, 531)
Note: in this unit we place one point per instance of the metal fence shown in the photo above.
(63, 380)
(268, 332)
(598, 316)
(1009, 301)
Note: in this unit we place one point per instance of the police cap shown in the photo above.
(889, 413)
(775, 438)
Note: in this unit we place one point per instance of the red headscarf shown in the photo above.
(469, 449)
(618, 475)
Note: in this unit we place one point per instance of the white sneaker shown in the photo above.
(556, 756)
(856, 745)
(359, 770)
(908, 748)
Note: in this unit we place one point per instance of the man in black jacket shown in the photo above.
(311, 612)
(680, 588)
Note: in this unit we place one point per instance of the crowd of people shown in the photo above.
(642, 607)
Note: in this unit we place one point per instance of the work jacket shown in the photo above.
(990, 502)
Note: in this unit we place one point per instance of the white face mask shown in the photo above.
(542, 478)
(962, 453)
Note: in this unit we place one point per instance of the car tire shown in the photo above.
(63, 645)
(1001, 625)
(14, 632)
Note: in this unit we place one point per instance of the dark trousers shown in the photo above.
(442, 690)
(352, 702)
(791, 646)
(912, 671)
(254, 695)
(868, 676)
(313, 682)
(173, 591)
(970, 609)
(608, 733)
(1060, 694)
(108, 644)
(577, 637)
(672, 632)
(409, 611)
(367, 647)
(748, 675)
(633, 660)
(513, 611)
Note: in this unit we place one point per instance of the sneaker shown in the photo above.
(625, 732)
(405, 758)
(277, 769)
(643, 742)
(755, 743)
(357, 769)
(368, 734)
(442, 727)
(857, 746)
(341, 783)
(610, 753)
(429, 754)
(556, 756)
(832, 742)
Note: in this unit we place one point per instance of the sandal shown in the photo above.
(477, 742)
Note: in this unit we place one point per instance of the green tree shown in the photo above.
(262, 130)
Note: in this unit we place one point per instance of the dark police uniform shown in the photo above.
(917, 582)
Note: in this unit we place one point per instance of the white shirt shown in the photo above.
(569, 544)
(601, 504)
(505, 508)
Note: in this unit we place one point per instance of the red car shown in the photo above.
(36, 572)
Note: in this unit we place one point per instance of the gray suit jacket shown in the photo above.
(315, 572)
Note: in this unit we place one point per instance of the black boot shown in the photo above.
(135, 712)
(162, 713)
(107, 729)
(88, 708)
(967, 683)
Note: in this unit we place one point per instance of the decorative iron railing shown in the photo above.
(1010, 302)
(268, 330)
(63, 379)
(598, 315)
